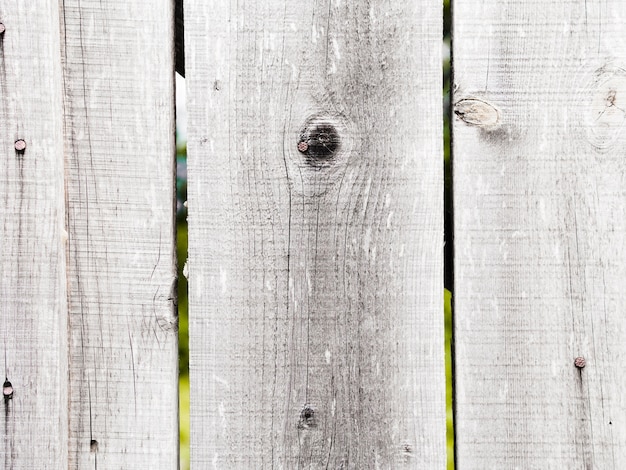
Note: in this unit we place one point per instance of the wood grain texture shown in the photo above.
(316, 327)
(33, 316)
(540, 251)
(119, 124)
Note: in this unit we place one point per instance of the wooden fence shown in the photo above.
(315, 214)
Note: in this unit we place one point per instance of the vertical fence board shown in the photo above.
(315, 277)
(540, 218)
(32, 257)
(119, 116)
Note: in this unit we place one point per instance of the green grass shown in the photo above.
(183, 318)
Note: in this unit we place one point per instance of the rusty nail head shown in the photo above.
(580, 362)
(20, 145)
(303, 146)
(2, 28)
(7, 390)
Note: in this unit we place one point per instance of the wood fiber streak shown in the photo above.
(316, 326)
(119, 135)
(33, 316)
(540, 224)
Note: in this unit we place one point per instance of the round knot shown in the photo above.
(319, 141)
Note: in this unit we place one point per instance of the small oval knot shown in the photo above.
(307, 417)
(606, 114)
(477, 113)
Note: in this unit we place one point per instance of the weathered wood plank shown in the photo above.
(540, 252)
(33, 296)
(119, 107)
(316, 327)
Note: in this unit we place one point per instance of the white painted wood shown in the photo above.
(33, 316)
(119, 108)
(316, 316)
(540, 223)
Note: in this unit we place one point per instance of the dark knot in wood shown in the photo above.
(307, 417)
(319, 141)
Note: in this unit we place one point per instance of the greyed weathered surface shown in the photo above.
(119, 127)
(540, 211)
(315, 218)
(33, 313)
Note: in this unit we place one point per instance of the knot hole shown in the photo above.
(319, 141)
(307, 417)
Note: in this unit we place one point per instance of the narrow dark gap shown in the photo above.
(448, 228)
(181, 238)
(447, 75)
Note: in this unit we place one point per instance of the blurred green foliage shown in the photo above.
(183, 420)
(183, 318)
(447, 307)
(181, 254)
